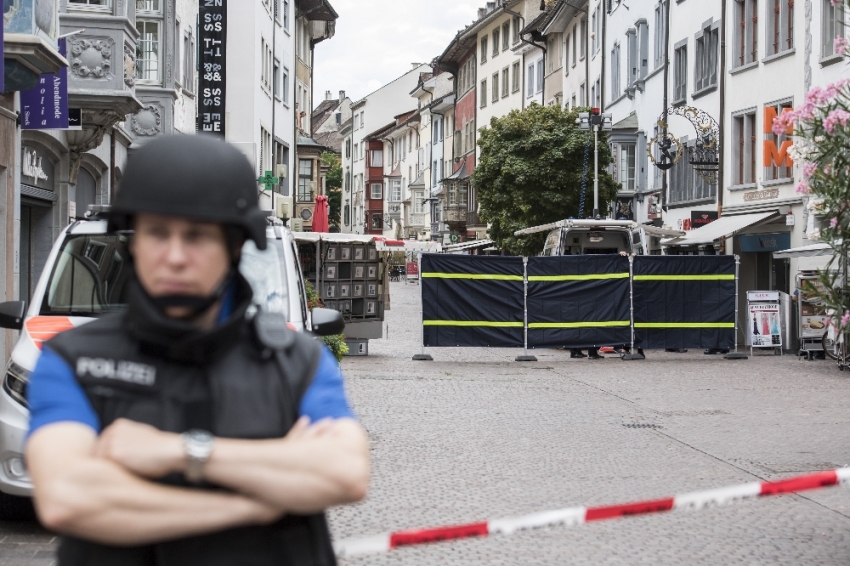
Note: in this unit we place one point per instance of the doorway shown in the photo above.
(36, 241)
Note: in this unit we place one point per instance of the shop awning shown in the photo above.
(813, 250)
(723, 227)
(468, 246)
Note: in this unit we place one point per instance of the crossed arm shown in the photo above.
(99, 487)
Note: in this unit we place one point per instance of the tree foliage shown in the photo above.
(530, 173)
(333, 183)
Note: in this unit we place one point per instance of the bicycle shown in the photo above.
(838, 351)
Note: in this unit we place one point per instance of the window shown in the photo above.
(615, 72)
(594, 31)
(505, 82)
(680, 73)
(90, 3)
(462, 191)
(686, 184)
(376, 191)
(660, 32)
(395, 195)
(516, 29)
(540, 75)
(286, 14)
(832, 26)
(780, 26)
(466, 76)
(633, 67)
(582, 89)
(265, 151)
(643, 49)
(745, 25)
(506, 36)
(777, 163)
(305, 180)
(705, 64)
(484, 41)
(376, 158)
(554, 52)
(516, 78)
(597, 98)
(189, 61)
(285, 85)
(483, 93)
(575, 45)
(348, 148)
(148, 48)
(744, 141)
(583, 27)
(377, 221)
(495, 97)
(626, 156)
(267, 71)
(346, 215)
(419, 203)
(567, 57)
(276, 80)
(356, 152)
(495, 42)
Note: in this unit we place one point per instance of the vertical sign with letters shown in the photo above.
(213, 65)
(45, 107)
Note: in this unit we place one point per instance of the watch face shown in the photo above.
(200, 436)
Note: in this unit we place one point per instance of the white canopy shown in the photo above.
(334, 237)
(813, 250)
(723, 227)
(463, 246)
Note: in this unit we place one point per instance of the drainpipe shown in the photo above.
(722, 121)
(665, 102)
(111, 167)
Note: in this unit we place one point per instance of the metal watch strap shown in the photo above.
(198, 446)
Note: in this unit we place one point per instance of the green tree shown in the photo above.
(333, 183)
(530, 173)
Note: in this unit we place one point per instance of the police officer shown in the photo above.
(184, 430)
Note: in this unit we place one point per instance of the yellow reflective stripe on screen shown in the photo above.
(486, 276)
(601, 324)
(722, 277)
(684, 325)
(590, 277)
(472, 323)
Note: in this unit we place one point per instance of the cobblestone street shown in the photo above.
(475, 436)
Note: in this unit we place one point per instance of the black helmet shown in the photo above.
(191, 176)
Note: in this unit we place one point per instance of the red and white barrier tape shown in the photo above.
(578, 515)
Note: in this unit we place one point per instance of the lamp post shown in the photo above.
(596, 121)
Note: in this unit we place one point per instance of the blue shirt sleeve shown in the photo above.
(55, 396)
(325, 398)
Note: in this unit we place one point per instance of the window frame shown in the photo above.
(485, 43)
(87, 6)
(483, 94)
(494, 97)
(306, 179)
(516, 83)
(372, 192)
(506, 77)
(680, 72)
(145, 18)
(496, 42)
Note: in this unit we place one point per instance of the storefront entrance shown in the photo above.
(36, 241)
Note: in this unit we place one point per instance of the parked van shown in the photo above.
(583, 237)
(85, 276)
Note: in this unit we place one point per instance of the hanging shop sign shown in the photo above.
(700, 218)
(213, 66)
(45, 107)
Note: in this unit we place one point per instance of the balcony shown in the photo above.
(455, 213)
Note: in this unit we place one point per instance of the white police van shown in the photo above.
(85, 276)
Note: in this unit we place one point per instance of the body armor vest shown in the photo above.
(243, 379)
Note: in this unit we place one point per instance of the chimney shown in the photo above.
(414, 66)
(341, 96)
(491, 6)
(482, 12)
(327, 95)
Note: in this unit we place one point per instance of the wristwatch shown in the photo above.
(198, 445)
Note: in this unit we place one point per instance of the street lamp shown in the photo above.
(595, 120)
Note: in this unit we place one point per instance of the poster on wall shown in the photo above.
(45, 107)
(213, 66)
(813, 315)
(764, 326)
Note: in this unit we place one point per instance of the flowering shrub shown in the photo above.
(821, 126)
(336, 343)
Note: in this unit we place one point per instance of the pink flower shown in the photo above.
(809, 170)
(784, 121)
(840, 45)
(803, 188)
(845, 319)
(834, 222)
(835, 117)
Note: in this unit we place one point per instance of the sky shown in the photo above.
(377, 40)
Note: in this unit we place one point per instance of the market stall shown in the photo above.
(350, 273)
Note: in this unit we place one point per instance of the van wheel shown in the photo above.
(14, 508)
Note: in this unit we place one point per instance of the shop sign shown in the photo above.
(213, 66)
(765, 194)
(765, 242)
(45, 107)
(36, 169)
(700, 218)
(813, 312)
(776, 156)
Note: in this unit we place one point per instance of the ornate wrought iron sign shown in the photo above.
(704, 154)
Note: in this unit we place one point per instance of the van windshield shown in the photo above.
(92, 271)
(89, 277)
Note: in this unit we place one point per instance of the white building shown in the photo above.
(371, 115)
